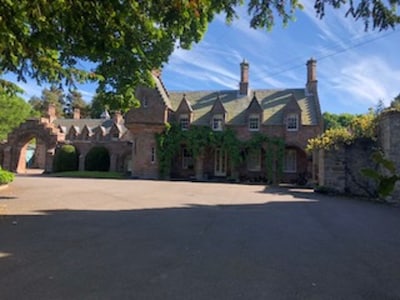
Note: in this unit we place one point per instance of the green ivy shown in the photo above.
(198, 138)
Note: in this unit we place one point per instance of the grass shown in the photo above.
(89, 174)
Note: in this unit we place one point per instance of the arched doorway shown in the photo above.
(97, 159)
(30, 147)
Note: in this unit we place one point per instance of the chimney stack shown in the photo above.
(311, 75)
(117, 118)
(244, 78)
(51, 112)
(77, 113)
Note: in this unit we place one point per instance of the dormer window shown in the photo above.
(184, 122)
(218, 122)
(115, 136)
(254, 122)
(292, 122)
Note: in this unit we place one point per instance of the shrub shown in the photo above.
(66, 159)
(6, 177)
(97, 159)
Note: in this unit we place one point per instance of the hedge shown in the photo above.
(6, 177)
(97, 159)
(66, 159)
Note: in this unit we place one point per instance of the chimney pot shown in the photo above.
(77, 113)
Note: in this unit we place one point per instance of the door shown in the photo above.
(220, 162)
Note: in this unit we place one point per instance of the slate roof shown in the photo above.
(272, 103)
(79, 124)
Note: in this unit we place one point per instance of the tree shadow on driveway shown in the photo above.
(316, 249)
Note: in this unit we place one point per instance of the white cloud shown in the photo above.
(363, 82)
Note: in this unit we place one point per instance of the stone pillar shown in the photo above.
(81, 166)
(389, 140)
(133, 158)
(49, 160)
(113, 162)
(7, 158)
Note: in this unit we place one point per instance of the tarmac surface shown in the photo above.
(134, 239)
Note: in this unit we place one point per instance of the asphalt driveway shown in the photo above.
(108, 239)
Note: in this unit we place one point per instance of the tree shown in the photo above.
(13, 111)
(337, 120)
(54, 96)
(395, 103)
(97, 107)
(125, 39)
(74, 100)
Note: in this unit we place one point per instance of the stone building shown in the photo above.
(291, 114)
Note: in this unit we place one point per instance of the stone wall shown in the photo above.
(389, 141)
(339, 168)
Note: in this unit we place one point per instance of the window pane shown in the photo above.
(254, 160)
(254, 123)
(290, 160)
(187, 159)
(292, 122)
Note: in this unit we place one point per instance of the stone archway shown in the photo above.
(47, 137)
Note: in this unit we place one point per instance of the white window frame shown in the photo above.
(184, 122)
(218, 122)
(254, 122)
(292, 122)
(290, 163)
(254, 160)
(187, 159)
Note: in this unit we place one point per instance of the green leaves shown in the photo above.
(386, 182)
(51, 41)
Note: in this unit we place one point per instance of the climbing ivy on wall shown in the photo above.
(198, 138)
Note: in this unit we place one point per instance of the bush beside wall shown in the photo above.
(66, 159)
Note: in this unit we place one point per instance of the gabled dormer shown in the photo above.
(155, 108)
(292, 114)
(62, 129)
(73, 133)
(184, 113)
(115, 132)
(86, 133)
(218, 115)
(254, 115)
(99, 132)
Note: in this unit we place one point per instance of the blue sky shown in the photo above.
(355, 69)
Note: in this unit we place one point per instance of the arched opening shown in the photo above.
(97, 159)
(66, 159)
(32, 155)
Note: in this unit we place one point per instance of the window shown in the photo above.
(153, 155)
(292, 122)
(254, 122)
(115, 136)
(217, 123)
(254, 160)
(187, 159)
(144, 102)
(184, 122)
(290, 161)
